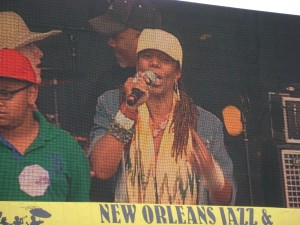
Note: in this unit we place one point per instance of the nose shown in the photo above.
(154, 61)
(38, 52)
(112, 42)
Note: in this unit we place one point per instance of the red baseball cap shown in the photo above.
(15, 65)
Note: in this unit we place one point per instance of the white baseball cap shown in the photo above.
(160, 40)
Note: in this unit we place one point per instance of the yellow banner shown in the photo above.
(62, 213)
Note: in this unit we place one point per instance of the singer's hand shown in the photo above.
(202, 160)
(204, 164)
(138, 82)
(220, 188)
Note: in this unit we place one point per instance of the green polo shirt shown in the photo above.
(53, 168)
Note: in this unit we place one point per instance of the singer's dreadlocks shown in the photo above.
(184, 117)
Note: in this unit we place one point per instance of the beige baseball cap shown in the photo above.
(14, 33)
(161, 40)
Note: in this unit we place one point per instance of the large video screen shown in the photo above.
(240, 65)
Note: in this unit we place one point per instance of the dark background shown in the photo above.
(231, 57)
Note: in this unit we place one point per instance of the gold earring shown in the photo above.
(176, 89)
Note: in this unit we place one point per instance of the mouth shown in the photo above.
(158, 80)
(118, 54)
(39, 64)
(2, 115)
(120, 59)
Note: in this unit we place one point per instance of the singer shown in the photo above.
(163, 149)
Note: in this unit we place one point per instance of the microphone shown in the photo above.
(136, 93)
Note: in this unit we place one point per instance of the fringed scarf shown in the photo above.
(165, 182)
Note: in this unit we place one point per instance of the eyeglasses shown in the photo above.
(7, 95)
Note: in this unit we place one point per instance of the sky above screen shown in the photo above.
(278, 6)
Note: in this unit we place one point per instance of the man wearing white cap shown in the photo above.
(162, 147)
(122, 25)
(15, 34)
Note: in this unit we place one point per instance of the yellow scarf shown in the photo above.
(171, 182)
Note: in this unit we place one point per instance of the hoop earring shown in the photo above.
(176, 89)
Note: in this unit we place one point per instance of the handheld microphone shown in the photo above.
(136, 93)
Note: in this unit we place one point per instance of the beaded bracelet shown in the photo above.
(120, 133)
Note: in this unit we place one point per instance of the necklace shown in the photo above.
(162, 126)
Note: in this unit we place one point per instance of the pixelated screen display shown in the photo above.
(233, 61)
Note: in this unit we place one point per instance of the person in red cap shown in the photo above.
(39, 162)
(15, 34)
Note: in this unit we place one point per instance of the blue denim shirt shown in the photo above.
(209, 129)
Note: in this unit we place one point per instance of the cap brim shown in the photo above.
(15, 78)
(106, 26)
(36, 36)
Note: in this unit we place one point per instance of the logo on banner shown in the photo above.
(35, 216)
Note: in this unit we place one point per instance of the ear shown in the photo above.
(32, 94)
(178, 75)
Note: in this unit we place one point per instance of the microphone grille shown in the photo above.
(151, 76)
